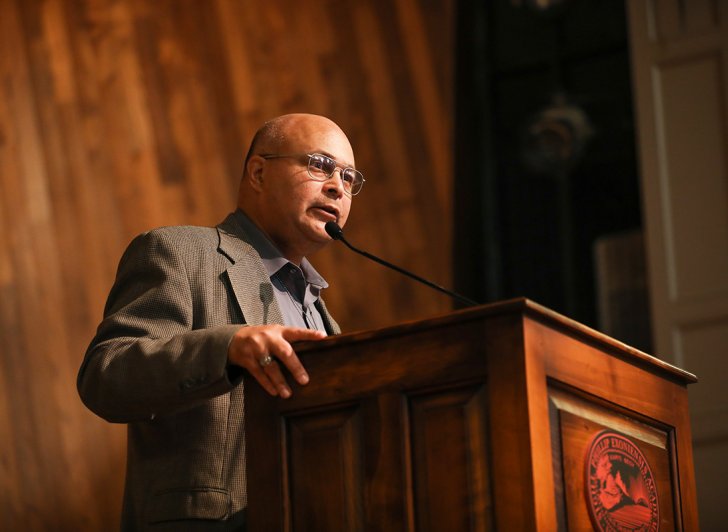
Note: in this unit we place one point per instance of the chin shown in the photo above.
(322, 237)
(314, 230)
(316, 233)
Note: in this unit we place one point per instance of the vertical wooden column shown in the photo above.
(680, 73)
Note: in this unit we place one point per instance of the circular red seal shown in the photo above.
(620, 489)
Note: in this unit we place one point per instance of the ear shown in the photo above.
(254, 170)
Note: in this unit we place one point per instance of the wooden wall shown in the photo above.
(120, 115)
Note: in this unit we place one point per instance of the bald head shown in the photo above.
(278, 193)
(272, 136)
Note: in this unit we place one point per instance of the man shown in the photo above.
(195, 312)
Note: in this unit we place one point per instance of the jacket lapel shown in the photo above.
(247, 276)
(331, 326)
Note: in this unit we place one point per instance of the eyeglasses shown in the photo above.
(322, 167)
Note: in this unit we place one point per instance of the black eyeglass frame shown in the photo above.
(357, 182)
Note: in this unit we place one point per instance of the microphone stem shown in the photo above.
(461, 299)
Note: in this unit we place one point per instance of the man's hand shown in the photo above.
(251, 345)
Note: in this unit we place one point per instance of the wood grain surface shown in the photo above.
(117, 116)
(488, 415)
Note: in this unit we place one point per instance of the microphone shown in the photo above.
(337, 233)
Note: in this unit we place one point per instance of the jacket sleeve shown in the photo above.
(147, 357)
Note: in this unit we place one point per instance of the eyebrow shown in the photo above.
(331, 156)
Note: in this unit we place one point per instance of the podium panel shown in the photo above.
(578, 421)
(503, 417)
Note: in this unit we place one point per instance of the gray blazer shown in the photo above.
(159, 363)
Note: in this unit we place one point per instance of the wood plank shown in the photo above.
(120, 116)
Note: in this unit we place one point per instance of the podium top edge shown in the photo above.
(517, 306)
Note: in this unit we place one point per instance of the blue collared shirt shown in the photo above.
(296, 288)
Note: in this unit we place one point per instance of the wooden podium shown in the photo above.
(502, 417)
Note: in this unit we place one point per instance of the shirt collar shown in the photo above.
(271, 256)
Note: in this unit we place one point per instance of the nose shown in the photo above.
(334, 185)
